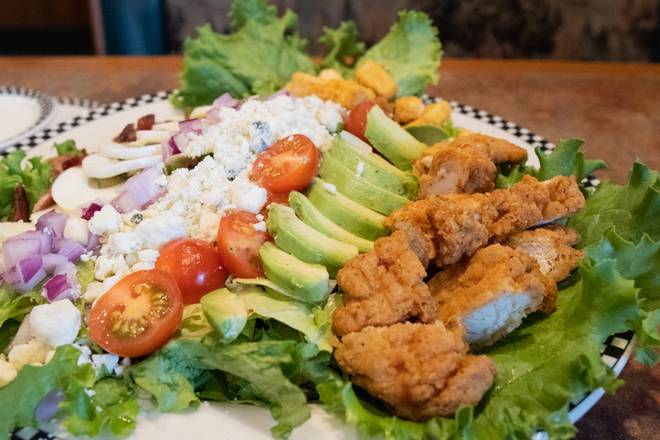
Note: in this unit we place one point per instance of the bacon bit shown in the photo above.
(46, 201)
(146, 122)
(60, 163)
(127, 134)
(21, 206)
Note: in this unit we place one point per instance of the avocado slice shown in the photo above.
(429, 134)
(303, 281)
(360, 190)
(346, 213)
(392, 140)
(225, 312)
(305, 242)
(372, 167)
(308, 213)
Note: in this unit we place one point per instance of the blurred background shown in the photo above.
(608, 30)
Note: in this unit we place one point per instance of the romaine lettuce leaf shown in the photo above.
(344, 48)
(112, 405)
(35, 175)
(410, 52)
(632, 209)
(567, 159)
(259, 58)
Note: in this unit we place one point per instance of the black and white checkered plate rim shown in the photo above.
(613, 352)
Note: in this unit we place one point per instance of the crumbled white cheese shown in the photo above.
(55, 324)
(90, 392)
(76, 229)
(246, 196)
(32, 353)
(124, 243)
(85, 354)
(109, 361)
(330, 187)
(261, 226)
(7, 372)
(105, 221)
(359, 170)
(157, 231)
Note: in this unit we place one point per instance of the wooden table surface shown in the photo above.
(614, 107)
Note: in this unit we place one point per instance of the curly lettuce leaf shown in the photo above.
(15, 305)
(34, 174)
(259, 58)
(632, 209)
(67, 148)
(344, 47)
(410, 52)
(112, 405)
(567, 159)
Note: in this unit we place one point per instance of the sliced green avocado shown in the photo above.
(305, 242)
(429, 134)
(308, 213)
(225, 312)
(392, 140)
(360, 190)
(346, 213)
(303, 281)
(373, 168)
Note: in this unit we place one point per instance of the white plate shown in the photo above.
(22, 112)
(226, 421)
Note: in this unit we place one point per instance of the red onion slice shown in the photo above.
(30, 272)
(56, 286)
(16, 249)
(70, 249)
(53, 261)
(281, 92)
(195, 125)
(138, 192)
(226, 100)
(54, 222)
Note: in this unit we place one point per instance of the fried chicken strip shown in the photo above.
(383, 286)
(464, 165)
(420, 370)
(551, 247)
(447, 228)
(492, 292)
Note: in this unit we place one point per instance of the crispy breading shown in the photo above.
(446, 228)
(456, 171)
(492, 291)
(374, 76)
(464, 165)
(420, 370)
(383, 286)
(329, 74)
(408, 108)
(436, 113)
(345, 92)
(552, 248)
(498, 150)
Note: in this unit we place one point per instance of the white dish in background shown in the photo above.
(220, 421)
(22, 112)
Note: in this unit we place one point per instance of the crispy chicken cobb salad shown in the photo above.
(317, 234)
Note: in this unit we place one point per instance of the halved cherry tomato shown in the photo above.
(239, 243)
(357, 119)
(195, 265)
(281, 198)
(289, 164)
(138, 315)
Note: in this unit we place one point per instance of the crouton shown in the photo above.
(407, 108)
(374, 76)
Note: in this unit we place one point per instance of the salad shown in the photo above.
(318, 234)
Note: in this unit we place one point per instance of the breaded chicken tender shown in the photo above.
(374, 76)
(464, 165)
(344, 92)
(420, 370)
(492, 292)
(551, 247)
(383, 286)
(447, 228)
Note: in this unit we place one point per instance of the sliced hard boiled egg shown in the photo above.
(169, 126)
(200, 112)
(147, 137)
(102, 167)
(119, 151)
(73, 188)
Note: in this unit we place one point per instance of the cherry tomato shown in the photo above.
(239, 243)
(357, 119)
(195, 265)
(289, 164)
(138, 315)
(281, 198)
